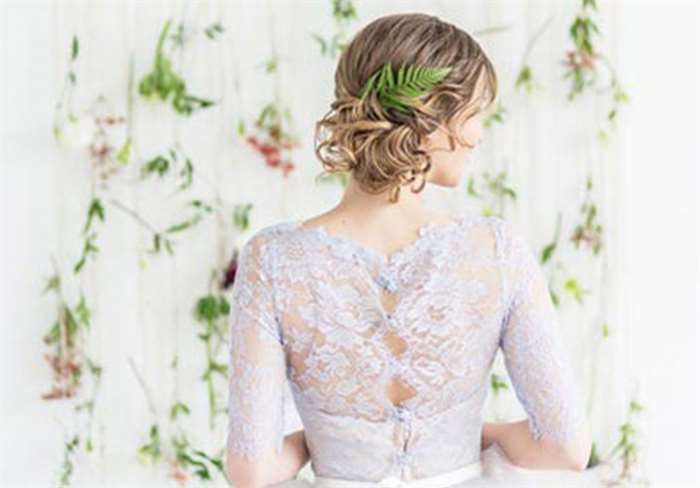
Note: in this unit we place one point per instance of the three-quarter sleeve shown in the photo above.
(530, 338)
(257, 365)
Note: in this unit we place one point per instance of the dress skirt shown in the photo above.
(492, 470)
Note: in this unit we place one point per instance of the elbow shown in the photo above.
(577, 463)
(238, 479)
(234, 476)
(252, 466)
(242, 474)
(578, 453)
(573, 455)
(585, 459)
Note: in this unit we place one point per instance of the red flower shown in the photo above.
(272, 152)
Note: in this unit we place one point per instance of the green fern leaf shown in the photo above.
(410, 83)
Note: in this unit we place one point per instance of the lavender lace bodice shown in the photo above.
(347, 328)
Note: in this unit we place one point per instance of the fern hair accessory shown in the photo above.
(400, 91)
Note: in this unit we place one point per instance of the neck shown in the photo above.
(361, 205)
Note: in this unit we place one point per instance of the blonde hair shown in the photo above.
(379, 146)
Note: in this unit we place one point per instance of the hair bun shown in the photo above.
(377, 134)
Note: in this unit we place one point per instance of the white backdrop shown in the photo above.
(646, 184)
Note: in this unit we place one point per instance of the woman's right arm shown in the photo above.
(556, 434)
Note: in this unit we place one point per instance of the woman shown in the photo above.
(384, 316)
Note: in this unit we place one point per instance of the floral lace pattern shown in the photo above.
(388, 356)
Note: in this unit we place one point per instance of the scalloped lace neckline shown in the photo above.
(424, 233)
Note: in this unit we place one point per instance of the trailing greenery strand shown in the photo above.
(410, 83)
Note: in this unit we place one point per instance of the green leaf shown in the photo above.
(321, 41)
(74, 48)
(400, 90)
(169, 247)
(179, 227)
(95, 209)
(124, 151)
(53, 335)
(214, 29)
(79, 265)
(497, 383)
(547, 252)
(344, 10)
(177, 408)
(524, 77)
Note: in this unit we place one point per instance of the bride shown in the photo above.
(383, 317)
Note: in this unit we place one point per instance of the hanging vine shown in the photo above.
(589, 232)
(494, 192)
(163, 83)
(581, 64)
(185, 462)
(525, 78)
(273, 136)
(343, 13)
(63, 110)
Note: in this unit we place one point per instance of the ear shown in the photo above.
(426, 143)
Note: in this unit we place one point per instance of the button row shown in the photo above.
(402, 458)
(394, 366)
(388, 282)
(401, 414)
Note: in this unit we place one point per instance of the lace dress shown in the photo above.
(388, 357)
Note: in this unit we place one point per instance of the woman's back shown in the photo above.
(388, 358)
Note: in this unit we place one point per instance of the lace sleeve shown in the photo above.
(534, 353)
(257, 366)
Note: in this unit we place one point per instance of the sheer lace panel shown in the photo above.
(257, 372)
(534, 353)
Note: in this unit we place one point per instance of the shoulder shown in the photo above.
(503, 237)
(486, 234)
(513, 247)
(264, 243)
(272, 232)
(266, 234)
(500, 226)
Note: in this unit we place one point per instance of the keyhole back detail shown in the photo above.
(397, 390)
